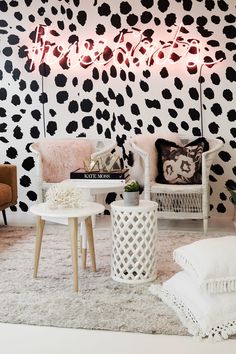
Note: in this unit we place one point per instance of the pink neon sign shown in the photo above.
(144, 52)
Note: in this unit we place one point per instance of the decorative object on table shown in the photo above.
(110, 163)
(91, 165)
(131, 193)
(64, 195)
(231, 187)
(203, 295)
(106, 163)
(107, 167)
(101, 175)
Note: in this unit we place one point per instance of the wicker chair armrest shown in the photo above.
(8, 175)
(208, 158)
(139, 151)
(215, 146)
(38, 170)
(38, 158)
(33, 148)
(145, 158)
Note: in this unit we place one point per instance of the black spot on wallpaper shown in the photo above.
(105, 70)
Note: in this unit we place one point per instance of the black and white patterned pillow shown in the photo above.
(180, 164)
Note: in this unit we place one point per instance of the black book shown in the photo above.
(101, 175)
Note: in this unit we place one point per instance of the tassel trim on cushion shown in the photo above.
(185, 315)
(212, 286)
(188, 319)
(184, 263)
(219, 286)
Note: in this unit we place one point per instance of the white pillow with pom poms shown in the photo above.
(204, 315)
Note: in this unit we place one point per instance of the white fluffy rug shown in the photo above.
(101, 303)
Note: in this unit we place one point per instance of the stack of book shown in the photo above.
(121, 175)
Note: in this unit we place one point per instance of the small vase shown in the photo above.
(131, 198)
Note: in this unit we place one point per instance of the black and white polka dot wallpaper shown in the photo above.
(116, 69)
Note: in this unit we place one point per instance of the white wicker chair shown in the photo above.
(100, 147)
(180, 201)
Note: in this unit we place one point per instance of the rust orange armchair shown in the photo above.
(8, 188)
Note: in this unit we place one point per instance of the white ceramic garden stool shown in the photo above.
(73, 216)
(134, 242)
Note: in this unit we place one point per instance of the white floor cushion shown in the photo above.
(204, 315)
(211, 262)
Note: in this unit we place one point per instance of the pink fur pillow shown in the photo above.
(62, 156)
(147, 141)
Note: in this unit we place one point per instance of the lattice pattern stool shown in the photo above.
(134, 242)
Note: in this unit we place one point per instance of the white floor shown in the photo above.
(22, 339)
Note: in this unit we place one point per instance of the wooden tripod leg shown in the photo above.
(38, 242)
(84, 243)
(84, 257)
(73, 232)
(89, 228)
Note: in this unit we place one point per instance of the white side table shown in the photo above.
(98, 186)
(134, 242)
(73, 215)
(95, 188)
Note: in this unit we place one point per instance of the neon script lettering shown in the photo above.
(143, 52)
